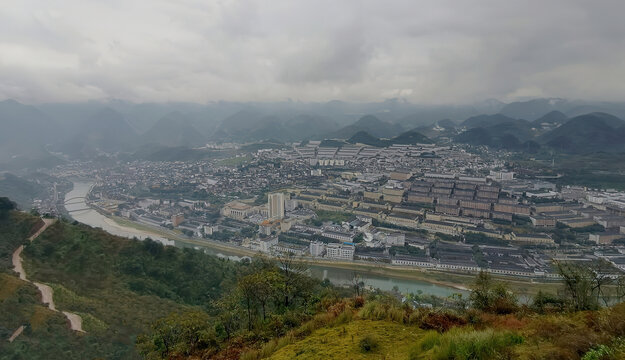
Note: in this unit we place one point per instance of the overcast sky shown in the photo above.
(423, 51)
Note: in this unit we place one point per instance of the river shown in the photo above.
(80, 211)
(337, 276)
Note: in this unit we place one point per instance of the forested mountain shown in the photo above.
(406, 138)
(485, 121)
(588, 133)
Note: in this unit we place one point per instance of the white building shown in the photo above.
(317, 248)
(275, 204)
(501, 175)
(340, 251)
(265, 245)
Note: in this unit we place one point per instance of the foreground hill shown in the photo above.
(119, 287)
(141, 299)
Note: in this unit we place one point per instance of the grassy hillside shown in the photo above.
(383, 329)
(393, 341)
(47, 334)
(119, 287)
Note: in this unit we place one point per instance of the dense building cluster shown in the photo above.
(436, 207)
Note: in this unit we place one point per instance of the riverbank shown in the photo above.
(459, 281)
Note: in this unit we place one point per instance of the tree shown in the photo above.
(6, 205)
(544, 303)
(246, 288)
(489, 296)
(358, 284)
(179, 335)
(228, 318)
(295, 282)
(578, 285)
(600, 272)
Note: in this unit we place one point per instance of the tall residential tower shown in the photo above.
(276, 205)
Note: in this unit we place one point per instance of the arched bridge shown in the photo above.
(75, 198)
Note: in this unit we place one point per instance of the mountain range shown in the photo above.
(38, 135)
(581, 134)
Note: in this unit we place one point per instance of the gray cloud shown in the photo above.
(424, 51)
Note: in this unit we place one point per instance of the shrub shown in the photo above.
(465, 344)
(441, 322)
(601, 352)
(368, 344)
(430, 340)
(375, 310)
(359, 301)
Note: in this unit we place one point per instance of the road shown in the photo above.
(47, 294)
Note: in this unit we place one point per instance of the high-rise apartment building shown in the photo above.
(276, 205)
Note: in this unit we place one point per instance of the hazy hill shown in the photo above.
(511, 135)
(174, 129)
(485, 120)
(535, 108)
(106, 131)
(407, 138)
(369, 124)
(410, 138)
(253, 126)
(588, 133)
(552, 118)
(24, 130)
(442, 128)
(446, 123)
(363, 137)
(20, 190)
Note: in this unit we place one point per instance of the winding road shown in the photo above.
(47, 294)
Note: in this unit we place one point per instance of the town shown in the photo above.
(425, 206)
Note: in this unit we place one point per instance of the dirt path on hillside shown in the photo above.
(17, 333)
(47, 294)
(75, 321)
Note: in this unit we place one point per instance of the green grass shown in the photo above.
(333, 216)
(344, 342)
(466, 344)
